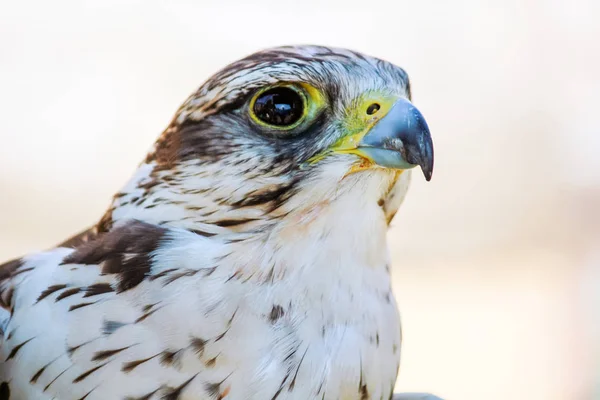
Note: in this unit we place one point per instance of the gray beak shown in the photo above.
(400, 140)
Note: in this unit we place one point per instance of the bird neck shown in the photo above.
(204, 200)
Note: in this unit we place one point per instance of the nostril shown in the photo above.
(373, 108)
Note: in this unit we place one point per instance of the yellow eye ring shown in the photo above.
(285, 106)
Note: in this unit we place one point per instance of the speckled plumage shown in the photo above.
(228, 266)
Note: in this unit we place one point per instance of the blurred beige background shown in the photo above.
(497, 260)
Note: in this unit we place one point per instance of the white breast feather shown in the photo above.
(303, 312)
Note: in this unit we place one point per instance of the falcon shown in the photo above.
(245, 259)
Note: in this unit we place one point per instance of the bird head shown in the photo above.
(281, 130)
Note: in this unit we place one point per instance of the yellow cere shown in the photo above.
(357, 123)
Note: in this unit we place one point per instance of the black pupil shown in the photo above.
(373, 108)
(279, 106)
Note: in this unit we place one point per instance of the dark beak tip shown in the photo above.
(427, 166)
(427, 173)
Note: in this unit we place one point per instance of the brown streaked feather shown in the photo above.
(104, 354)
(131, 365)
(49, 291)
(175, 393)
(124, 251)
(7, 271)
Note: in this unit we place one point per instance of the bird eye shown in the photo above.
(280, 107)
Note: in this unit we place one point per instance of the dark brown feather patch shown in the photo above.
(81, 305)
(7, 271)
(88, 373)
(98, 288)
(168, 358)
(102, 355)
(16, 349)
(276, 313)
(55, 378)
(228, 223)
(47, 292)
(124, 251)
(4, 391)
(198, 345)
(211, 363)
(86, 395)
(146, 315)
(175, 393)
(37, 375)
(8, 268)
(67, 293)
(131, 365)
(144, 397)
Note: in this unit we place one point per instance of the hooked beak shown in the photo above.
(400, 140)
